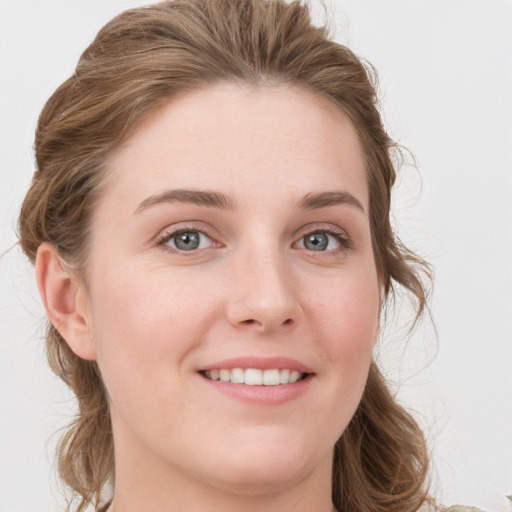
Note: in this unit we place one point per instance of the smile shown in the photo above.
(255, 376)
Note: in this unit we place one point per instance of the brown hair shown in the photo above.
(137, 62)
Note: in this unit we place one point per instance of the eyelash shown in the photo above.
(340, 236)
(169, 235)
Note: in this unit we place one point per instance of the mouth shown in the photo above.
(256, 376)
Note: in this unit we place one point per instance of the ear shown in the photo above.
(63, 296)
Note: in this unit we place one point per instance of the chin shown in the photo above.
(269, 465)
(260, 479)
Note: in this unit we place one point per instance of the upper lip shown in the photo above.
(262, 363)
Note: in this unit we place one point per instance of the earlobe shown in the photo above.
(60, 290)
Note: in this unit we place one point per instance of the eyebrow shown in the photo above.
(211, 199)
(313, 201)
(199, 197)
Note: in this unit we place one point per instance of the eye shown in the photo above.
(321, 241)
(187, 240)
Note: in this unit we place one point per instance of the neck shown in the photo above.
(245, 505)
(178, 493)
(297, 479)
(162, 488)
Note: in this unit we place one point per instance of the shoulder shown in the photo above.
(433, 507)
(461, 508)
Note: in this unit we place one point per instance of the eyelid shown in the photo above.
(169, 232)
(339, 233)
(317, 227)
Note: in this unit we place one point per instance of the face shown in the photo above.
(232, 296)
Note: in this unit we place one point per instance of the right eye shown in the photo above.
(320, 241)
(186, 240)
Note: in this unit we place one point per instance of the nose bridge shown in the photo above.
(263, 292)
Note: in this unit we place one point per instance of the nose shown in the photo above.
(263, 297)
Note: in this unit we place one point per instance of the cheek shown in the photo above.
(347, 316)
(142, 323)
(139, 300)
(146, 326)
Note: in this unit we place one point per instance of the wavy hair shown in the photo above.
(139, 61)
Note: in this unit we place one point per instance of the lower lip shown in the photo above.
(261, 395)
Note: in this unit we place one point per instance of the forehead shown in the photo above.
(228, 135)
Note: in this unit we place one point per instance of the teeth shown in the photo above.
(284, 376)
(237, 376)
(255, 376)
(271, 377)
(294, 376)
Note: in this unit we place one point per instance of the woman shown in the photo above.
(209, 221)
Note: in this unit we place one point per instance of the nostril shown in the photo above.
(252, 321)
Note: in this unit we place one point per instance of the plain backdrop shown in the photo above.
(445, 70)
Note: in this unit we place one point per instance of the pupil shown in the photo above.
(187, 241)
(316, 242)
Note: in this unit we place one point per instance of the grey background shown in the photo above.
(446, 79)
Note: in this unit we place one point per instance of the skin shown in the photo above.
(153, 316)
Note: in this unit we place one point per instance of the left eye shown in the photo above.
(188, 240)
(319, 241)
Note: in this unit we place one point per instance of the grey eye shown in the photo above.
(320, 241)
(188, 240)
(316, 241)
